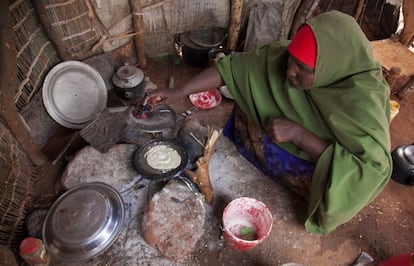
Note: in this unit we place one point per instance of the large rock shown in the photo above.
(114, 167)
(173, 221)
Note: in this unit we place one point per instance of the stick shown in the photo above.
(139, 27)
(201, 175)
(407, 33)
(235, 20)
(50, 32)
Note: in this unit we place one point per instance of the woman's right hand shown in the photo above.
(165, 96)
(206, 80)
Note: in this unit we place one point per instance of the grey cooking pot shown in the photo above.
(129, 82)
(403, 165)
(147, 172)
(196, 44)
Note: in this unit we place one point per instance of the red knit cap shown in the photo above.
(303, 46)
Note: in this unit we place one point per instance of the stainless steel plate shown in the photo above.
(83, 222)
(74, 93)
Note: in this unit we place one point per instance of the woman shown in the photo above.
(312, 113)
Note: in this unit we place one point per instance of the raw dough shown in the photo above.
(163, 157)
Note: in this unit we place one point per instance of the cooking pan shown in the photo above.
(148, 172)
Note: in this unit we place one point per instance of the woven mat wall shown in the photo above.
(16, 182)
(35, 53)
(72, 22)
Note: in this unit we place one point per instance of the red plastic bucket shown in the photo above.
(246, 223)
(406, 259)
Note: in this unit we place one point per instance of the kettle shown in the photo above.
(403, 165)
(129, 82)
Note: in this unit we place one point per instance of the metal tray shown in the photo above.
(83, 222)
(74, 93)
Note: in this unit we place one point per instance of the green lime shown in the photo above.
(248, 233)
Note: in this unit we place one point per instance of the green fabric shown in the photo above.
(348, 106)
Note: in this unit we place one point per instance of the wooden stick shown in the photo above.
(359, 9)
(8, 83)
(312, 9)
(407, 33)
(201, 175)
(235, 21)
(50, 32)
(139, 27)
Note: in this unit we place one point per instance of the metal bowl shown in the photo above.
(83, 222)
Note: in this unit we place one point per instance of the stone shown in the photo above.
(35, 222)
(173, 220)
(114, 167)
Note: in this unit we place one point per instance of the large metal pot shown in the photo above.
(403, 165)
(196, 44)
(129, 82)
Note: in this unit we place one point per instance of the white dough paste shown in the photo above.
(163, 157)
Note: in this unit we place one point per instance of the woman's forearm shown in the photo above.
(205, 80)
(310, 144)
(284, 130)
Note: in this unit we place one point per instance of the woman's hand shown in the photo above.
(166, 96)
(284, 130)
(205, 80)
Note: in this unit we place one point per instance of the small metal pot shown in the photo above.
(129, 82)
(403, 165)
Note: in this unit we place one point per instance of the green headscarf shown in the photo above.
(348, 107)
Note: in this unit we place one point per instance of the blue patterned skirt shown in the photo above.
(283, 167)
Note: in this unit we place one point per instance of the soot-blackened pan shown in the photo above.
(147, 172)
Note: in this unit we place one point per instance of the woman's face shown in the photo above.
(300, 75)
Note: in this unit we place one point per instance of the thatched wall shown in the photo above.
(56, 30)
(35, 53)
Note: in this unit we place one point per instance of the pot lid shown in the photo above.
(128, 77)
(207, 37)
(83, 222)
(74, 93)
(183, 39)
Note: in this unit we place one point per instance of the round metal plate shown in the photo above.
(142, 167)
(83, 222)
(206, 99)
(74, 93)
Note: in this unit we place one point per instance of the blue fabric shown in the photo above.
(278, 164)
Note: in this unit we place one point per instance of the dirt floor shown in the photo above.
(382, 229)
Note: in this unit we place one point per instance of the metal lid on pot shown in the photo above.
(207, 37)
(128, 77)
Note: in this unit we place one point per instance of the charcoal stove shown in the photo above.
(145, 122)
